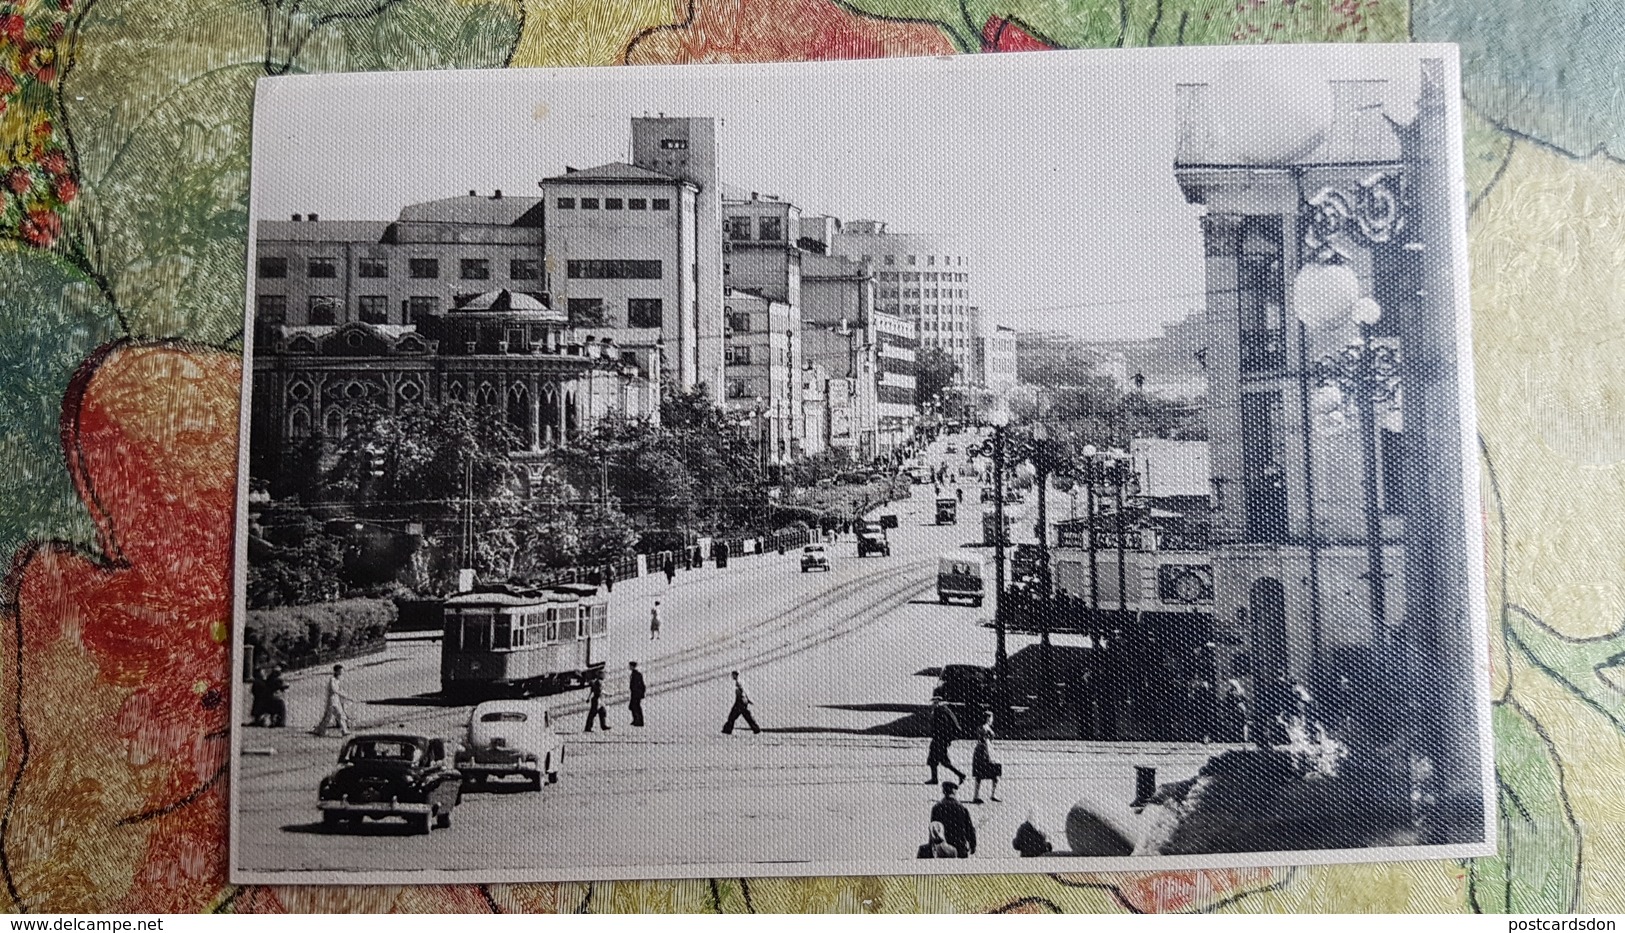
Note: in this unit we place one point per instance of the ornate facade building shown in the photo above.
(1308, 462)
(348, 325)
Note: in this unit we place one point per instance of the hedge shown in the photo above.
(292, 637)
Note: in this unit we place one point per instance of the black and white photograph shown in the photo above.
(1049, 462)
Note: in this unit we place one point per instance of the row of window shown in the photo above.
(377, 267)
(942, 325)
(592, 312)
(891, 260)
(614, 204)
(767, 228)
(742, 355)
(615, 269)
(927, 293)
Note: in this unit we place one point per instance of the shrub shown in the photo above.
(293, 637)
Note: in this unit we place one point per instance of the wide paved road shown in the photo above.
(834, 663)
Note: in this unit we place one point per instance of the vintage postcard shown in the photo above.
(1029, 462)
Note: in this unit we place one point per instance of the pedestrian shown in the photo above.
(654, 621)
(635, 691)
(334, 715)
(269, 709)
(609, 578)
(671, 569)
(957, 829)
(740, 708)
(982, 765)
(936, 845)
(595, 705)
(960, 492)
(944, 729)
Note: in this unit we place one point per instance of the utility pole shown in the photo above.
(1001, 660)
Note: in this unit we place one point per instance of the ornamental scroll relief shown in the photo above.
(1370, 213)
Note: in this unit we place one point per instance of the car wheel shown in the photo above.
(536, 780)
(942, 599)
(443, 820)
(422, 823)
(332, 820)
(976, 601)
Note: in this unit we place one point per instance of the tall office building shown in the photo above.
(686, 148)
(924, 280)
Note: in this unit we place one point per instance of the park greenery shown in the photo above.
(409, 496)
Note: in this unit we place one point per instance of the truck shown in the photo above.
(872, 539)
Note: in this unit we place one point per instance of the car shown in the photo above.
(814, 557)
(511, 738)
(951, 449)
(384, 775)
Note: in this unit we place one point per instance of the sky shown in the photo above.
(1053, 170)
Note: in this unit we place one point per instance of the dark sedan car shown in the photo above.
(406, 776)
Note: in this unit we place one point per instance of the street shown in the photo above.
(840, 666)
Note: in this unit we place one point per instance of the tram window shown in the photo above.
(600, 620)
(477, 632)
(454, 633)
(501, 637)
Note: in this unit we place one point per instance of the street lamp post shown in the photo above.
(1090, 477)
(1000, 419)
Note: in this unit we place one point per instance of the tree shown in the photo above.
(934, 370)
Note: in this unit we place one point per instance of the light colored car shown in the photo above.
(511, 737)
(814, 557)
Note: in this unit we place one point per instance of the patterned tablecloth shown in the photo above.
(124, 174)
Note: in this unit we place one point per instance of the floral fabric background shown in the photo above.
(124, 143)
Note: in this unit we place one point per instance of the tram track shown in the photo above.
(711, 660)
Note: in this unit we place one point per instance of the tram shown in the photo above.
(523, 641)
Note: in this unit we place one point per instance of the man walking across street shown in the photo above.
(334, 715)
(654, 621)
(944, 729)
(635, 691)
(595, 707)
(671, 569)
(741, 707)
(957, 829)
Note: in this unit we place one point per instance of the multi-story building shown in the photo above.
(686, 148)
(1308, 524)
(623, 242)
(924, 280)
(761, 261)
(839, 334)
(453, 300)
(996, 360)
(763, 380)
(896, 350)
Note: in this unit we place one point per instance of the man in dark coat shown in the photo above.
(740, 708)
(595, 707)
(671, 569)
(635, 691)
(958, 830)
(944, 729)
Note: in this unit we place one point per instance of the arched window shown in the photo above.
(519, 412)
(487, 397)
(455, 391)
(549, 415)
(333, 423)
(299, 424)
